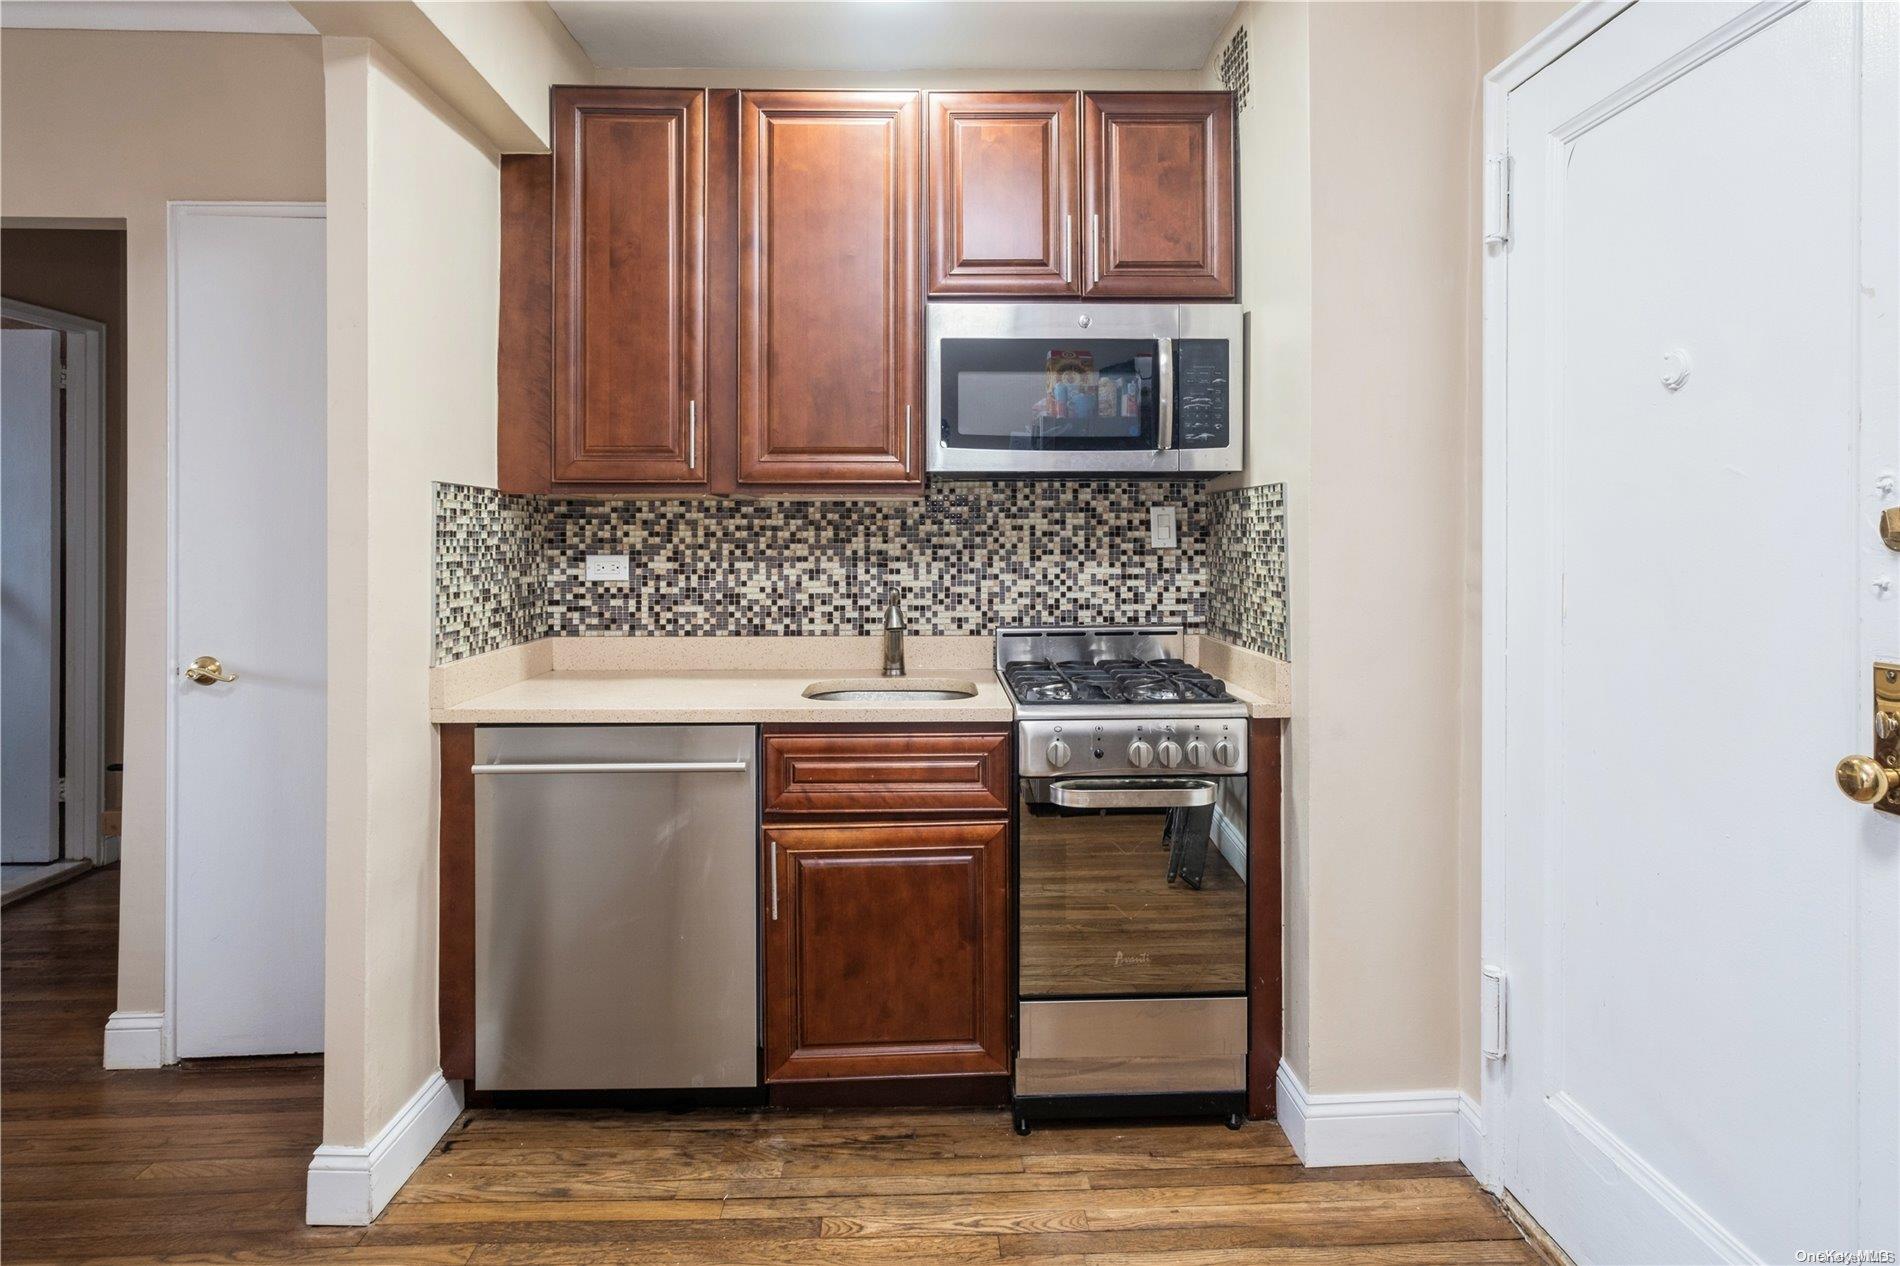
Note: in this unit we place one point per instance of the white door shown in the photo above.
(29, 595)
(1699, 929)
(248, 556)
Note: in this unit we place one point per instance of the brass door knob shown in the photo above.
(206, 669)
(1865, 780)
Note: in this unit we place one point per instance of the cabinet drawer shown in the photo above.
(891, 773)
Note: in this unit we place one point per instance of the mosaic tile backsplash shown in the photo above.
(967, 557)
(1247, 593)
(490, 578)
(964, 558)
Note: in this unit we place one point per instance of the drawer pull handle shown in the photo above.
(622, 767)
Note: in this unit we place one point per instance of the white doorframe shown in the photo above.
(82, 559)
(176, 212)
(1553, 42)
(1879, 340)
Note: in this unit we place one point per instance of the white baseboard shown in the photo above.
(1231, 840)
(136, 1039)
(1367, 1129)
(1471, 1140)
(348, 1186)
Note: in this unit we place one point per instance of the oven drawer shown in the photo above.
(933, 773)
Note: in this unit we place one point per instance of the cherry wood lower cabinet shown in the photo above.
(824, 774)
(886, 950)
(885, 904)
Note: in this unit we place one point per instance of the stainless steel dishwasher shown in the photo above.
(616, 908)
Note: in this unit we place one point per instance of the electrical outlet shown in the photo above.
(1161, 527)
(608, 567)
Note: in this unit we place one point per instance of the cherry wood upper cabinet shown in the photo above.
(1003, 193)
(1159, 194)
(830, 300)
(629, 287)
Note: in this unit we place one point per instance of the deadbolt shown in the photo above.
(1865, 780)
(1890, 527)
(1875, 779)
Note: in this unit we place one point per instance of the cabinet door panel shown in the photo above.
(830, 304)
(629, 310)
(1160, 194)
(1002, 193)
(886, 950)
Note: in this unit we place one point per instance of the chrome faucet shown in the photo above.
(893, 639)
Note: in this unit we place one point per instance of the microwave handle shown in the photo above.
(1164, 389)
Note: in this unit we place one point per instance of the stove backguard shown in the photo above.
(1147, 641)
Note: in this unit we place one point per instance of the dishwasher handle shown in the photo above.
(623, 767)
(1132, 793)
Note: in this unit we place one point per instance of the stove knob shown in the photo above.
(1170, 753)
(1058, 753)
(1196, 752)
(1224, 752)
(1140, 755)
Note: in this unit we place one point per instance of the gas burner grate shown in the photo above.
(1138, 681)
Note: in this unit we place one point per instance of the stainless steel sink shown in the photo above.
(891, 690)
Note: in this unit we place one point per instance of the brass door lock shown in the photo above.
(1875, 779)
(206, 669)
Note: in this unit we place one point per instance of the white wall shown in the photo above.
(414, 259)
(107, 126)
(520, 49)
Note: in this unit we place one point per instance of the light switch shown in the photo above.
(608, 567)
(1161, 527)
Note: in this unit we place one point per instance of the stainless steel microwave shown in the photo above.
(1142, 390)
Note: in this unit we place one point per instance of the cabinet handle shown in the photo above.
(1095, 248)
(907, 409)
(1068, 247)
(618, 767)
(775, 881)
(692, 434)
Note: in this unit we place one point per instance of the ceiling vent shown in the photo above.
(1233, 68)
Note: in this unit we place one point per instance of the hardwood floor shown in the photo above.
(205, 1163)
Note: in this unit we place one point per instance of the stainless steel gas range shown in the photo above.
(1132, 876)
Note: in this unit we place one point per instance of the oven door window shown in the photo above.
(1079, 395)
(1099, 917)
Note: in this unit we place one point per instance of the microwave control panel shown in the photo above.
(1200, 393)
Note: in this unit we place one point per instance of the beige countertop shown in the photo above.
(742, 696)
(753, 681)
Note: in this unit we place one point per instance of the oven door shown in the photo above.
(1051, 388)
(1132, 888)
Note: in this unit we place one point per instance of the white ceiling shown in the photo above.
(255, 17)
(886, 35)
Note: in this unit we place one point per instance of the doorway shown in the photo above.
(1691, 423)
(52, 572)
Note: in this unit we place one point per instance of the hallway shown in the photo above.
(202, 1158)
